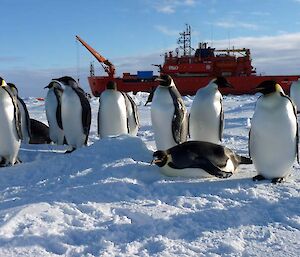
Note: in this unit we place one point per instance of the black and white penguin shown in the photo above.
(295, 93)
(24, 114)
(273, 137)
(198, 159)
(112, 116)
(206, 119)
(10, 126)
(75, 113)
(53, 112)
(168, 115)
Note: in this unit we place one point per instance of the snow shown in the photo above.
(107, 200)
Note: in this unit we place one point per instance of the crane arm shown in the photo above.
(110, 68)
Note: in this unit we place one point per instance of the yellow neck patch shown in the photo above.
(3, 83)
(278, 88)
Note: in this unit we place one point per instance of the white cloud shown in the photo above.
(166, 31)
(235, 24)
(170, 6)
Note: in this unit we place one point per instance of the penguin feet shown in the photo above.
(277, 180)
(258, 178)
(18, 161)
(71, 150)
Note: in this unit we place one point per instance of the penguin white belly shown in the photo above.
(273, 142)
(205, 118)
(112, 114)
(9, 140)
(55, 132)
(162, 112)
(72, 118)
(24, 128)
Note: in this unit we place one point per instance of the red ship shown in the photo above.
(190, 71)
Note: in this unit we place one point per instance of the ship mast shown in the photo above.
(185, 39)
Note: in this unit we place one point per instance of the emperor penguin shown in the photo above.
(53, 112)
(112, 115)
(10, 126)
(75, 113)
(24, 114)
(273, 137)
(168, 115)
(206, 119)
(198, 159)
(295, 94)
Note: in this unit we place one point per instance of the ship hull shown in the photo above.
(188, 85)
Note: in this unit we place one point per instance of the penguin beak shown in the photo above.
(159, 79)
(155, 160)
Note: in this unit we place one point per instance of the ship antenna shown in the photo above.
(185, 39)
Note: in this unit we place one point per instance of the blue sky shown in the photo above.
(38, 37)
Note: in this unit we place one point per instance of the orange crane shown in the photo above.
(106, 64)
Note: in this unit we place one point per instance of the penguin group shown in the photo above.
(188, 143)
(273, 137)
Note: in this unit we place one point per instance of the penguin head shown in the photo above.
(53, 84)
(111, 85)
(221, 82)
(160, 158)
(165, 80)
(67, 81)
(268, 87)
(13, 88)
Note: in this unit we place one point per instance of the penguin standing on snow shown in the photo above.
(112, 116)
(273, 137)
(75, 113)
(24, 114)
(206, 120)
(295, 94)
(10, 126)
(198, 159)
(168, 115)
(53, 112)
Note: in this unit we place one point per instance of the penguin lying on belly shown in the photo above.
(198, 159)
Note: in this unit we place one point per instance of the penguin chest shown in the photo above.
(112, 118)
(205, 118)
(273, 140)
(162, 112)
(72, 118)
(9, 140)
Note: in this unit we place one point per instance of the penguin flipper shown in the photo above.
(26, 115)
(221, 125)
(179, 121)
(86, 111)
(57, 93)
(212, 169)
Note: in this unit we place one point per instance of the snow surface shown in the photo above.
(107, 200)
